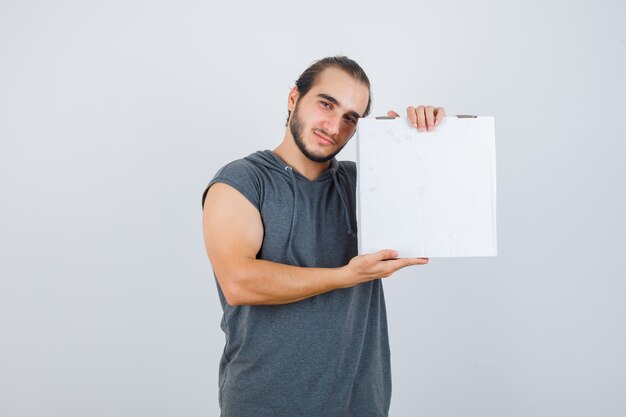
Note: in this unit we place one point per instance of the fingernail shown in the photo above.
(436, 122)
(414, 124)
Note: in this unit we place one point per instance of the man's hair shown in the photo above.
(309, 76)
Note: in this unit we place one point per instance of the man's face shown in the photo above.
(324, 119)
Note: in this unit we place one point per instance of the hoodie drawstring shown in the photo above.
(346, 210)
(290, 256)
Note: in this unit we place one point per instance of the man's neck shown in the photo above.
(289, 152)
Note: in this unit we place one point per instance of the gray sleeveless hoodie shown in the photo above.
(325, 356)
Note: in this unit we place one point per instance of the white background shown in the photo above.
(114, 115)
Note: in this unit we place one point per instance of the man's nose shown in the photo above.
(332, 124)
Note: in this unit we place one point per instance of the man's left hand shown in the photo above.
(422, 117)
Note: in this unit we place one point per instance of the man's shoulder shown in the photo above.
(244, 174)
(349, 167)
(249, 165)
(348, 164)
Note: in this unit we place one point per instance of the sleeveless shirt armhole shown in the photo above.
(242, 177)
(254, 200)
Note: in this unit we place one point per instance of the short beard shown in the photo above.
(296, 128)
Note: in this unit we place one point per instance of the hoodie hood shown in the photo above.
(272, 161)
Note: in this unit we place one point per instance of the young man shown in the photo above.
(304, 317)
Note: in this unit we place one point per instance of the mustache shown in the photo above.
(325, 133)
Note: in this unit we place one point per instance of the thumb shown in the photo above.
(392, 113)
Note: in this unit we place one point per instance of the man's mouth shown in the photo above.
(323, 138)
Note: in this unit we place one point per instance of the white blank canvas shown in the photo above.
(427, 194)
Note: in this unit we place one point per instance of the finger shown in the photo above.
(415, 261)
(410, 113)
(384, 254)
(392, 113)
(439, 115)
(421, 118)
(396, 264)
(430, 117)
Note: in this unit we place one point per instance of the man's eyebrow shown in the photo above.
(336, 103)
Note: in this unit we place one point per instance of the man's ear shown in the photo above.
(292, 99)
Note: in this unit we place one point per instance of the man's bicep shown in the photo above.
(233, 229)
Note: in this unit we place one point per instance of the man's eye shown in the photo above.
(325, 104)
(350, 120)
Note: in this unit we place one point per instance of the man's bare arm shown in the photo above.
(233, 234)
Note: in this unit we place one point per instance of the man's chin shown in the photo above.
(321, 156)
